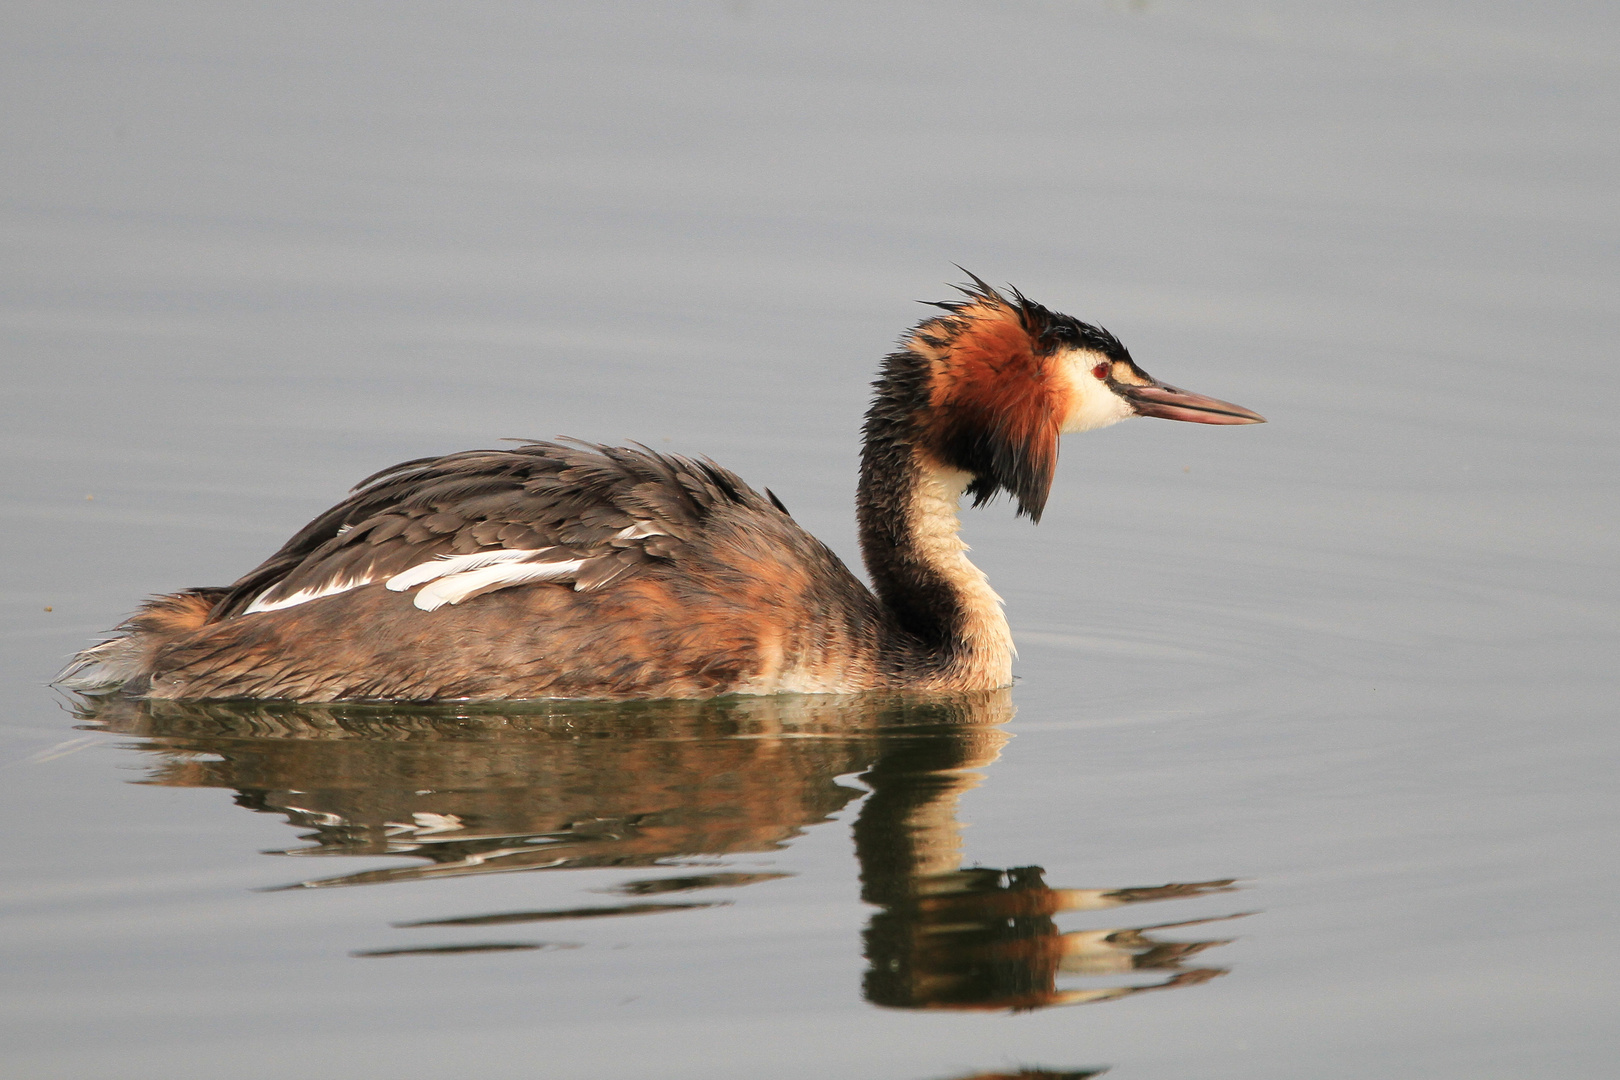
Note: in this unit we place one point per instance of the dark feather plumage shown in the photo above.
(564, 502)
(690, 584)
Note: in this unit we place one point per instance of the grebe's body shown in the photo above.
(556, 570)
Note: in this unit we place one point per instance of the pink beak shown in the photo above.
(1172, 403)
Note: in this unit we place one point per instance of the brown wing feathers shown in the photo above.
(610, 508)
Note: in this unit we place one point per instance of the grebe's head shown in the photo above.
(1005, 377)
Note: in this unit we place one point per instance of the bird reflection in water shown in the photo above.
(474, 789)
(946, 937)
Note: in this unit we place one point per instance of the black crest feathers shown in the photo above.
(986, 393)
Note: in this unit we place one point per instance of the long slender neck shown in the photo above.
(949, 632)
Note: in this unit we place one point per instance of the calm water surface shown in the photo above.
(1310, 768)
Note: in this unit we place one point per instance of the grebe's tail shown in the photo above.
(127, 660)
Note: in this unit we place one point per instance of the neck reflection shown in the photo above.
(464, 790)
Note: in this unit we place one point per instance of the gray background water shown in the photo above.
(1362, 657)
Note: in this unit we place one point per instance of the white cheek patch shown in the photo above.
(1092, 404)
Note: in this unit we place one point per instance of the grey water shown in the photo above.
(1310, 766)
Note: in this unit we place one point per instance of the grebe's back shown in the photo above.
(669, 578)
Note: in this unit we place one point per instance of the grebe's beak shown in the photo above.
(1172, 403)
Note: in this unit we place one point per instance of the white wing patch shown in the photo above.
(445, 565)
(303, 596)
(454, 578)
(450, 579)
(455, 588)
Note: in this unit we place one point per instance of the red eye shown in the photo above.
(1101, 371)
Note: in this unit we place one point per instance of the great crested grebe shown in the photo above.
(585, 571)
